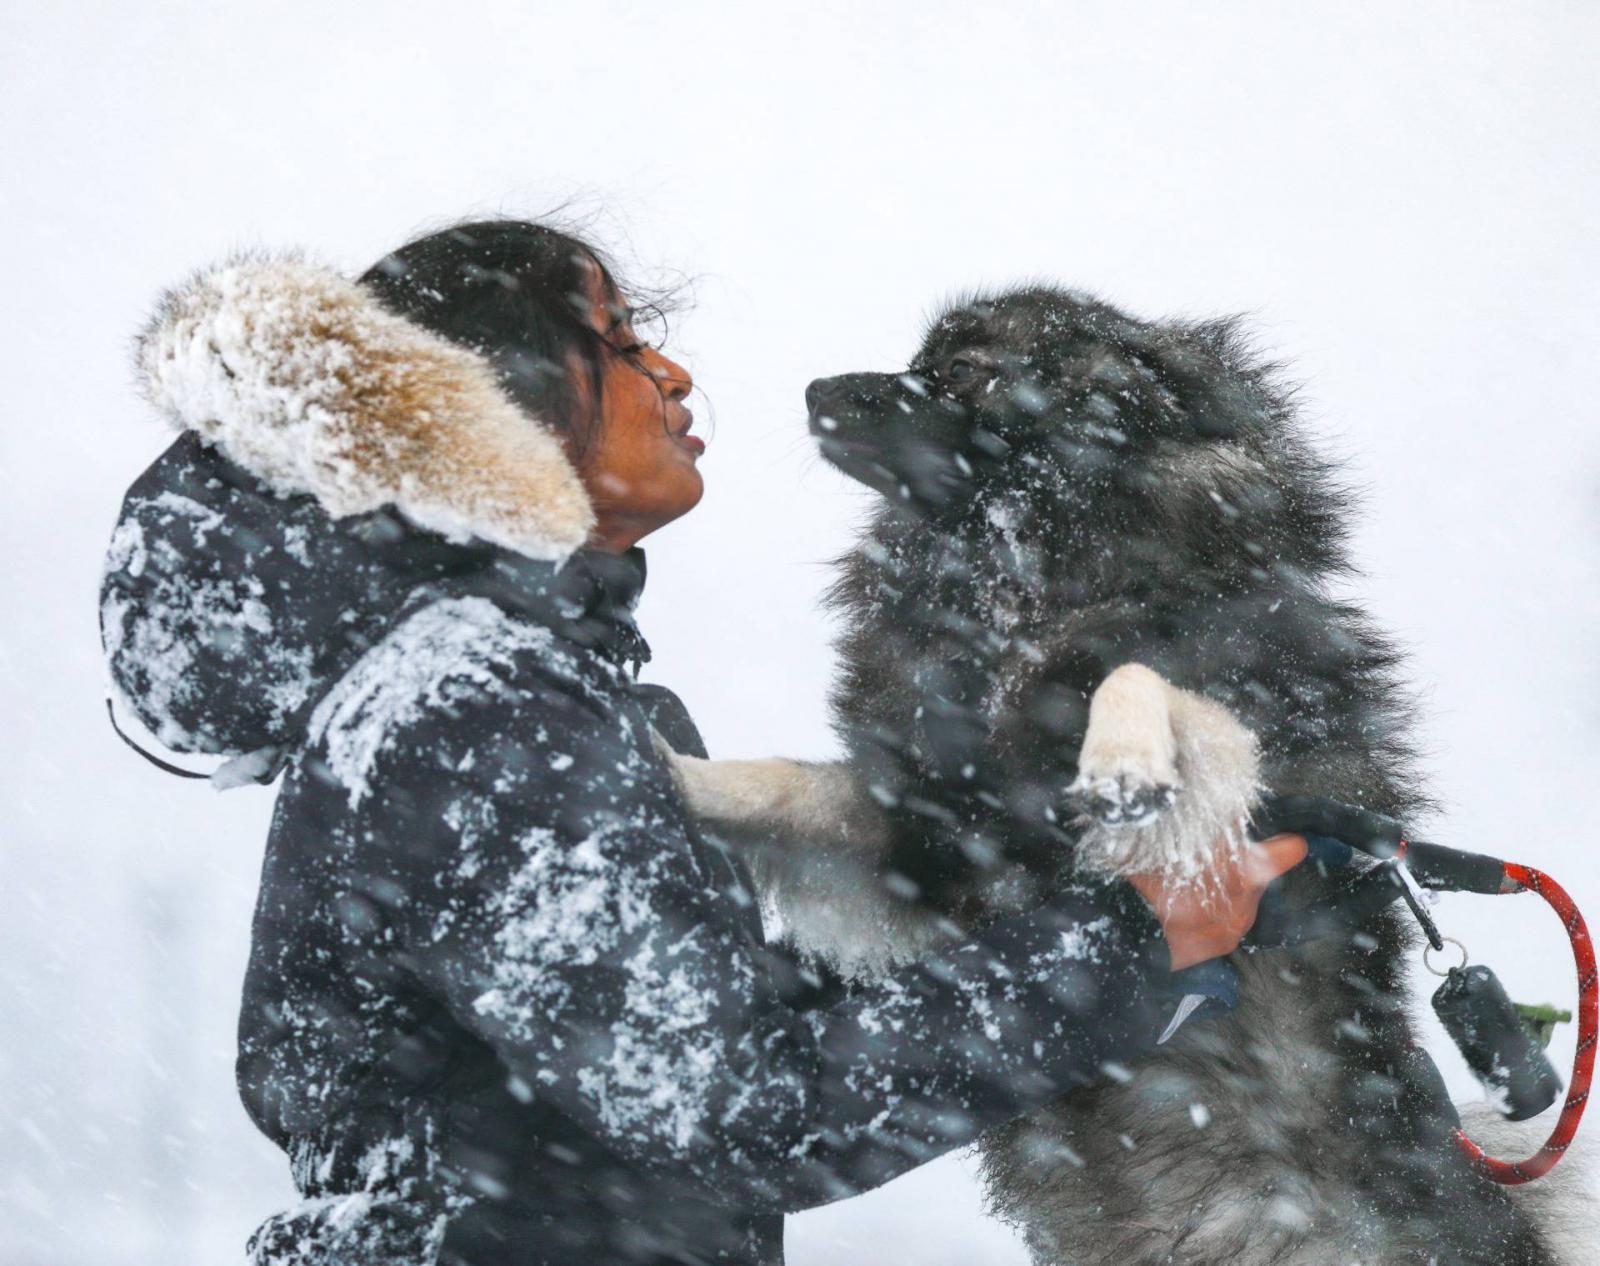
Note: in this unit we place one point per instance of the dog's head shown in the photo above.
(1051, 378)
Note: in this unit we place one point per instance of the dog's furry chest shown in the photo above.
(1245, 1146)
(943, 650)
(1213, 1152)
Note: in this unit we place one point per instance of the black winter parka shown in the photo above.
(505, 1003)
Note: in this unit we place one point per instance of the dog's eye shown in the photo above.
(960, 370)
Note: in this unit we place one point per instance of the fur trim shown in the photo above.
(305, 380)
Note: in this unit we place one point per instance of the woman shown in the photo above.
(504, 1003)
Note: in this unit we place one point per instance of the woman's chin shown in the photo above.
(686, 473)
(696, 489)
(680, 490)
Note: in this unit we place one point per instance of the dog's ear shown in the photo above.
(1183, 376)
(1213, 398)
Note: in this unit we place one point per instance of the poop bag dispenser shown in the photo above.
(1507, 1058)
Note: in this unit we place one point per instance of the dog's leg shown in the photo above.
(1164, 775)
(775, 797)
(815, 844)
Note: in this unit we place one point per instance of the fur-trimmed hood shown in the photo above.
(334, 460)
(303, 379)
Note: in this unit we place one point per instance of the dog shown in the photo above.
(1092, 619)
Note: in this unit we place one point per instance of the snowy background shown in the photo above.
(1404, 194)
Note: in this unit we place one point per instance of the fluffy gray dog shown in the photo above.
(1077, 501)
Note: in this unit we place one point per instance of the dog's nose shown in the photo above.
(852, 393)
(820, 391)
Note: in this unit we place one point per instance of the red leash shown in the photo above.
(1517, 879)
(1451, 870)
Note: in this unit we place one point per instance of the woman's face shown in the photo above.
(641, 472)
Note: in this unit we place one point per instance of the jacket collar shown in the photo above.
(588, 600)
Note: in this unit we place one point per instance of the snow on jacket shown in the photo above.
(505, 1003)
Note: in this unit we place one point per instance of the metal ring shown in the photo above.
(1427, 960)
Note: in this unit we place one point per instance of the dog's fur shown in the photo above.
(1070, 490)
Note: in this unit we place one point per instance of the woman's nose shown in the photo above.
(673, 377)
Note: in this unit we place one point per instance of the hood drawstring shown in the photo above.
(164, 766)
(260, 766)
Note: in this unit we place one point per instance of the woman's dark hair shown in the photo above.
(518, 293)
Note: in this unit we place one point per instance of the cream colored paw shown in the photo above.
(1128, 769)
(1215, 784)
(1126, 799)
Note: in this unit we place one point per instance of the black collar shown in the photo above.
(588, 599)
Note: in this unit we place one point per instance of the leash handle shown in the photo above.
(1512, 1173)
(1432, 865)
(1452, 870)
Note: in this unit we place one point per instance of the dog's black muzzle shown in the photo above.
(854, 418)
(894, 433)
(851, 403)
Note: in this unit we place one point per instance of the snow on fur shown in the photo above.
(301, 377)
(1218, 766)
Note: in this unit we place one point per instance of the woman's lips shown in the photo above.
(693, 443)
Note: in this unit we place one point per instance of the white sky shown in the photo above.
(1404, 195)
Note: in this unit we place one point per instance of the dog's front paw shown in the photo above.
(1128, 798)
(1128, 766)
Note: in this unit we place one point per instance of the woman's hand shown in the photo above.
(1207, 920)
